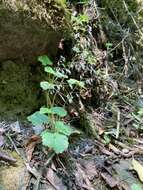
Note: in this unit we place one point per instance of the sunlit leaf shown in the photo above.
(55, 73)
(76, 82)
(138, 168)
(140, 112)
(60, 75)
(50, 70)
(45, 110)
(46, 85)
(109, 45)
(37, 118)
(136, 187)
(84, 18)
(58, 142)
(44, 59)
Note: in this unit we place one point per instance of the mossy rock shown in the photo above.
(20, 90)
(27, 29)
(30, 28)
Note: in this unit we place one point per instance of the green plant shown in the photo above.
(138, 119)
(56, 134)
(136, 186)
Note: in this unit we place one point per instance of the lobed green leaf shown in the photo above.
(44, 59)
(46, 85)
(62, 128)
(59, 111)
(50, 70)
(37, 118)
(55, 73)
(58, 142)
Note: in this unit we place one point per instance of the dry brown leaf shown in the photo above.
(90, 169)
(55, 180)
(114, 149)
(2, 140)
(109, 179)
(30, 146)
(138, 168)
(124, 176)
(101, 131)
(106, 152)
(82, 179)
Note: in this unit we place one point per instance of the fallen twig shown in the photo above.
(118, 124)
(7, 158)
(12, 142)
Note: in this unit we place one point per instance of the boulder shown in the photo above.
(28, 28)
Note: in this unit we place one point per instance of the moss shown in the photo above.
(19, 87)
(54, 12)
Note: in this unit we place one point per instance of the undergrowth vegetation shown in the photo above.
(88, 133)
(105, 58)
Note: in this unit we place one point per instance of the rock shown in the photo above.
(29, 29)
(20, 91)
(14, 177)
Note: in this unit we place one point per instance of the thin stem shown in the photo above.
(118, 124)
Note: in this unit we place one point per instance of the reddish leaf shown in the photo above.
(30, 146)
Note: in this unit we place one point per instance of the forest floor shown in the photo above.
(107, 154)
(88, 164)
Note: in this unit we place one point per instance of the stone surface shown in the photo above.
(13, 177)
(20, 91)
(27, 29)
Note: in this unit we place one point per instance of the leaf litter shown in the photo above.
(87, 164)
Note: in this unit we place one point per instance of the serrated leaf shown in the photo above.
(37, 118)
(58, 142)
(59, 111)
(46, 85)
(138, 168)
(44, 59)
(136, 187)
(62, 128)
(76, 82)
